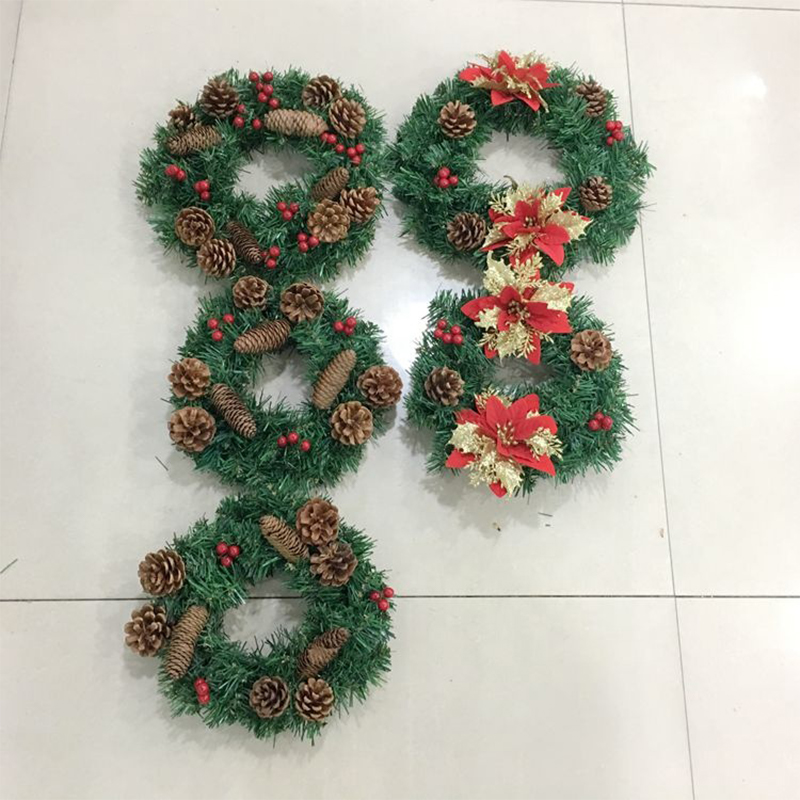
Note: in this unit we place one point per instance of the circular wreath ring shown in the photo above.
(455, 213)
(296, 678)
(304, 228)
(229, 431)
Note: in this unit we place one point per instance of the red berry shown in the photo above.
(619, 135)
(287, 215)
(383, 605)
(241, 108)
(268, 90)
(282, 441)
(351, 151)
(221, 548)
(323, 137)
(226, 561)
(444, 183)
(253, 76)
(205, 196)
(455, 329)
(281, 206)
(238, 122)
(227, 318)
(203, 699)
(293, 437)
(196, 186)
(181, 176)
(351, 322)
(274, 251)
(330, 138)
(200, 682)
(438, 333)
(607, 423)
(599, 415)
(259, 87)
(294, 208)
(217, 336)
(338, 326)
(458, 338)
(594, 424)
(453, 179)
(618, 125)
(262, 98)
(355, 160)
(213, 323)
(305, 445)
(171, 171)
(302, 247)
(388, 591)
(313, 241)
(360, 148)
(610, 140)
(274, 102)
(611, 125)
(447, 338)
(267, 76)
(349, 331)
(374, 596)
(234, 551)
(257, 123)
(271, 263)
(340, 148)
(205, 186)
(302, 236)
(444, 172)
(442, 323)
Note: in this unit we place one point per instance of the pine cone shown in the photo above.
(194, 226)
(266, 337)
(250, 292)
(233, 410)
(330, 184)
(290, 122)
(595, 96)
(192, 429)
(216, 258)
(444, 386)
(321, 652)
(591, 350)
(219, 99)
(201, 137)
(182, 117)
(457, 119)
(283, 538)
(317, 522)
(381, 386)
(347, 117)
(314, 700)
(320, 91)
(244, 243)
(361, 203)
(333, 378)
(595, 194)
(189, 378)
(466, 231)
(329, 221)
(148, 630)
(162, 573)
(184, 638)
(351, 423)
(269, 697)
(334, 563)
(301, 302)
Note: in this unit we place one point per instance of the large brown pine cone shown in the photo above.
(595, 96)
(201, 137)
(351, 423)
(317, 522)
(334, 563)
(314, 700)
(182, 117)
(283, 538)
(329, 221)
(330, 184)
(457, 119)
(194, 226)
(244, 243)
(269, 697)
(250, 292)
(192, 429)
(266, 337)
(466, 231)
(595, 194)
(301, 302)
(347, 117)
(183, 640)
(591, 350)
(189, 377)
(216, 258)
(320, 91)
(219, 99)
(381, 386)
(148, 630)
(162, 573)
(444, 386)
(290, 122)
(361, 203)
(321, 652)
(233, 410)
(333, 378)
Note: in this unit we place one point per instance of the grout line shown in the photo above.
(11, 77)
(705, 6)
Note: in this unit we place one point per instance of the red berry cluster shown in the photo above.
(381, 599)
(444, 180)
(174, 171)
(203, 691)
(354, 152)
(203, 189)
(452, 336)
(265, 91)
(306, 242)
(213, 326)
(288, 210)
(293, 438)
(271, 256)
(600, 421)
(348, 327)
(615, 132)
(227, 552)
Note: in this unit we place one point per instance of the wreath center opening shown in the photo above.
(268, 168)
(524, 158)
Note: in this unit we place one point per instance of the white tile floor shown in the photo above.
(636, 635)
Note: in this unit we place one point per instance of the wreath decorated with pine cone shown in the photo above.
(296, 679)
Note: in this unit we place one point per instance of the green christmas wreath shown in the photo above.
(295, 679)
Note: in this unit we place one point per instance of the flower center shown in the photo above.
(505, 433)
(516, 309)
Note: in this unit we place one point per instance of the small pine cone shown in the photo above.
(321, 652)
(184, 638)
(595, 96)
(591, 350)
(329, 221)
(250, 292)
(182, 117)
(290, 122)
(189, 378)
(334, 563)
(216, 258)
(283, 538)
(219, 99)
(330, 184)
(361, 203)
(466, 231)
(457, 119)
(320, 91)
(595, 194)
(317, 522)
(195, 140)
(244, 243)
(347, 117)
(333, 378)
(266, 337)
(269, 697)
(381, 386)
(351, 423)
(301, 302)
(148, 630)
(444, 386)
(192, 429)
(194, 226)
(162, 573)
(314, 700)
(233, 410)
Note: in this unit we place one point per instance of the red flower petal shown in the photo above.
(563, 193)
(505, 60)
(508, 294)
(496, 413)
(489, 352)
(459, 460)
(498, 489)
(470, 73)
(547, 320)
(524, 406)
(544, 464)
(472, 308)
(555, 251)
(500, 98)
(468, 415)
(554, 234)
(532, 102)
(545, 421)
